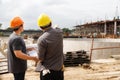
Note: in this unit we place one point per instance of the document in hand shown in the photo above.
(32, 53)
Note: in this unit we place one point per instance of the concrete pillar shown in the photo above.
(115, 27)
(105, 26)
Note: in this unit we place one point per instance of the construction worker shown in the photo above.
(17, 56)
(50, 50)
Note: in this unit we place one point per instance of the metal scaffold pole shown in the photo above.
(91, 49)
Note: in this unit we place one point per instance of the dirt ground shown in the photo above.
(105, 69)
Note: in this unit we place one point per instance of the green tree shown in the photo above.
(66, 30)
(9, 29)
(0, 25)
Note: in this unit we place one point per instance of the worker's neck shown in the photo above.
(17, 32)
(47, 28)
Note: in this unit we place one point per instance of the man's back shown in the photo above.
(50, 46)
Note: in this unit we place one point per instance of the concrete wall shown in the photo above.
(85, 44)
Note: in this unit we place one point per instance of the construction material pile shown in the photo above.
(76, 58)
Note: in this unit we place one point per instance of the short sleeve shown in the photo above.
(17, 44)
(41, 49)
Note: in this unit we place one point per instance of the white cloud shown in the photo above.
(66, 13)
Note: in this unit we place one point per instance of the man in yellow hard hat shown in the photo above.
(50, 50)
(17, 56)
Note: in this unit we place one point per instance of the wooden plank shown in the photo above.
(115, 57)
(3, 66)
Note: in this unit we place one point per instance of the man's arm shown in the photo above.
(21, 55)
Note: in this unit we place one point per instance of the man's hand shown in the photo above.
(36, 60)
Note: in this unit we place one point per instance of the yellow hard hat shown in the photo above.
(43, 20)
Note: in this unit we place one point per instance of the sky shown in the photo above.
(64, 13)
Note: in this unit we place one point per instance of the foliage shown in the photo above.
(1, 34)
(66, 30)
(9, 29)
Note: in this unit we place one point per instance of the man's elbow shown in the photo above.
(17, 54)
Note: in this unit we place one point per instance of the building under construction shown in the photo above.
(99, 29)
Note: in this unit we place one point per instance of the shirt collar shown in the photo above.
(48, 29)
